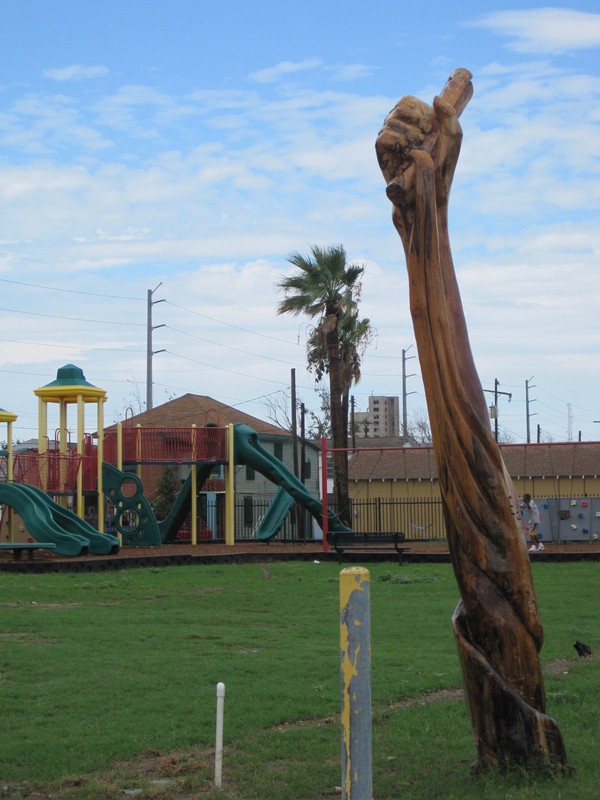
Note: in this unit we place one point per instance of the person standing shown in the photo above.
(531, 519)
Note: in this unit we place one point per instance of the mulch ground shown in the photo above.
(215, 552)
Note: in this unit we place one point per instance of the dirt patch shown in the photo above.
(155, 772)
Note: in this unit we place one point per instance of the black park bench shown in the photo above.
(18, 547)
(378, 541)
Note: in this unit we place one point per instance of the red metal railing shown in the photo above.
(175, 445)
(55, 472)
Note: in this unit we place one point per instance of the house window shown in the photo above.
(250, 473)
(278, 450)
(307, 470)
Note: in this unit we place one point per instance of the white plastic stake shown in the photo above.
(219, 735)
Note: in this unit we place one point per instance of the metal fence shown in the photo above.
(419, 520)
(297, 526)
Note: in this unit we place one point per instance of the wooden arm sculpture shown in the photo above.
(496, 622)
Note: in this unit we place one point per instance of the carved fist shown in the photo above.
(418, 135)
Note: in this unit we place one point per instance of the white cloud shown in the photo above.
(39, 125)
(351, 72)
(75, 72)
(545, 30)
(271, 74)
(132, 109)
(207, 188)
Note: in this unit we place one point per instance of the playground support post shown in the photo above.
(63, 434)
(138, 450)
(9, 418)
(194, 488)
(355, 679)
(100, 459)
(219, 734)
(230, 489)
(119, 465)
(43, 441)
(120, 446)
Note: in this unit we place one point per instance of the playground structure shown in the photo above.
(108, 474)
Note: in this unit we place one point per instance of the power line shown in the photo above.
(73, 346)
(228, 324)
(68, 291)
(70, 319)
(229, 347)
(222, 369)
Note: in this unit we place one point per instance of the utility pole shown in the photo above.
(302, 465)
(302, 443)
(294, 423)
(529, 415)
(352, 427)
(405, 393)
(494, 409)
(149, 351)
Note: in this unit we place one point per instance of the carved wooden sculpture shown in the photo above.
(496, 622)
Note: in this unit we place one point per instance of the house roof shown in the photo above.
(404, 463)
(522, 461)
(199, 409)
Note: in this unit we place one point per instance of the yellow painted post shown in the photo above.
(355, 675)
(9, 418)
(120, 446)
(80, 430)
(63, 441)
(99, 462)
(9, 445)
(43, 442)
(119, 463)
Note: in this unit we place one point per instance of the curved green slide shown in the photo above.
(275, 515)
(47, 521)
(249, 451)
(169, 527)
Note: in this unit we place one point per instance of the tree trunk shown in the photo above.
(496, 622)
(338, 427)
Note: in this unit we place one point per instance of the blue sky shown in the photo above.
(195, 144)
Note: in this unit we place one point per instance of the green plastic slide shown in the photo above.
(47, 521)
(248, 450)
(275, 515)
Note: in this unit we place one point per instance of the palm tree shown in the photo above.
(327, 288)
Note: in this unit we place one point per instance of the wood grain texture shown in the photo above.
(496, 623)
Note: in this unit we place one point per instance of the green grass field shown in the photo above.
(108, 681)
